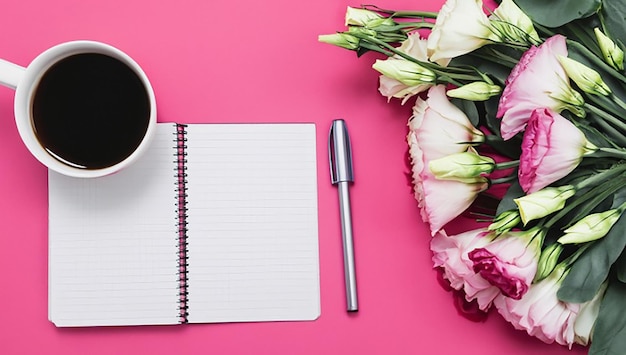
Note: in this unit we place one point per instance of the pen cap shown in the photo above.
(340, 153)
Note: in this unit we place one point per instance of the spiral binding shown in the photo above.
(181, 219)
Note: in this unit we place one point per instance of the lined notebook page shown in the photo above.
(252, 223)
(112, 243)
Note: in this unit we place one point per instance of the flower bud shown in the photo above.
(513, 23)
(360, 17)
(384, 29)
(543, 202)
(406, 72)
(548, 260)
(360, 32)
(613, 55)
(570, 99)
(587, 79)
(591, 227)
(343, 40)
(461, 166)
(505, 221)
(476, 91)
(381, 23)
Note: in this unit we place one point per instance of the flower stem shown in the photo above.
(613, 152)
(618, 101)
(415, 25)
(606, 116)
(613, 135)
(375, 48)
(402, 14)
(456, 73)
(510, 61)
(611, 106)
(601, 177)
(415, 14)
(503, 180)
(507, 165)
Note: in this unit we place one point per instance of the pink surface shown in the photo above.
(246, 61)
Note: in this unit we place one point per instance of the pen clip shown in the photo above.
(340, 153)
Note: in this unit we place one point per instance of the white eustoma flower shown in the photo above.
(461, 27)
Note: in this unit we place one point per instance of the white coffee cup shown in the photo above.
(26, 82)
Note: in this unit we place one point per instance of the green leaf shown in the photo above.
(614, 14)
(361, 51)
(582, 31)
(511, 148)
(620, 267)
(507, 204)
(556, 13)
(609, 334)
(485, 61)
(619, 198)
(592, 268)
(489, 119)
(620, 264)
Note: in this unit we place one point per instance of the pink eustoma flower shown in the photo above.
(441, 201)
(437, 129)
(451, 254)
(538, 80)
(540, 313)
(510, 261)
(551, 148)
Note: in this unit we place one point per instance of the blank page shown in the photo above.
(252, 223)
(113, 250)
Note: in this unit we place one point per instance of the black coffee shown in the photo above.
(90, 110)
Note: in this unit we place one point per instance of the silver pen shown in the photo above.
(341, 174)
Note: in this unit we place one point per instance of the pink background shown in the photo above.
(246, 61)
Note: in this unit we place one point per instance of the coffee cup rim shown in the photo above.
(25, 92)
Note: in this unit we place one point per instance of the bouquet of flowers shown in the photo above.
(518, 119)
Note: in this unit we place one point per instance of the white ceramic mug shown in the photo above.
(26, 81)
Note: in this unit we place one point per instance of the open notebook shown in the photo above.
(215, 223)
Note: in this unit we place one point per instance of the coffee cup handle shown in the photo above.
(10, 74)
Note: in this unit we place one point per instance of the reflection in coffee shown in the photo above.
(90, 110)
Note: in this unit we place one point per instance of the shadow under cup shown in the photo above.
(90, 111)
